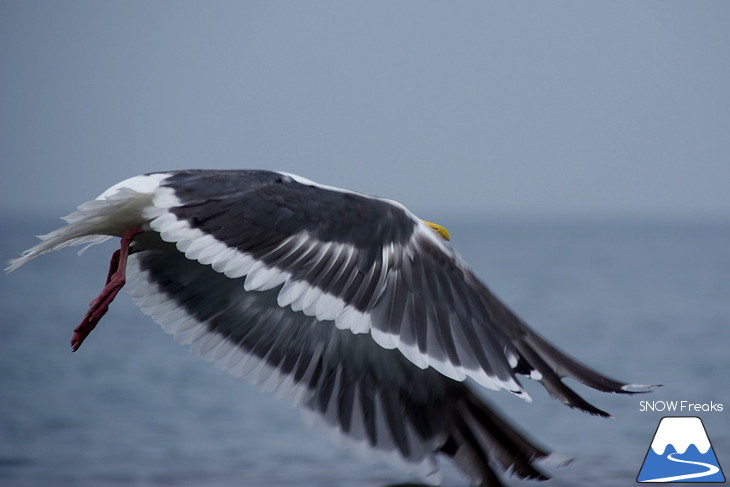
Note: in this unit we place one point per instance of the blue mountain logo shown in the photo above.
(680, 452)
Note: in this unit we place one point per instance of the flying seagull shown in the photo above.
(347, 304)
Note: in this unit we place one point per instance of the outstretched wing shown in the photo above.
(373, 398)
(363, 264)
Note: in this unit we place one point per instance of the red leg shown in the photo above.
(113, 265)
(114, 282)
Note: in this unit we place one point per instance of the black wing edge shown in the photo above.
(555, 365)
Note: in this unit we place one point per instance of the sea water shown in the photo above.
(642, 301)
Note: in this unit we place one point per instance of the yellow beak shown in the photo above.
(439, 229)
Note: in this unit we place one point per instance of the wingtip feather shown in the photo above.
(639, 388)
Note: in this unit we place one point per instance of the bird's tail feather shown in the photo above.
(92, 223)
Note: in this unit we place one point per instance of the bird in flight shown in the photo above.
(346, 304)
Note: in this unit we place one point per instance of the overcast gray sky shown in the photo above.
(490, 108)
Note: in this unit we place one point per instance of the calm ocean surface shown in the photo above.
(645, 302)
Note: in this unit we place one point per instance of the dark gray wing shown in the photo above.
(371, 396)
(365, 264)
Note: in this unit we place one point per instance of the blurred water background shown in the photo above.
(644, 301)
